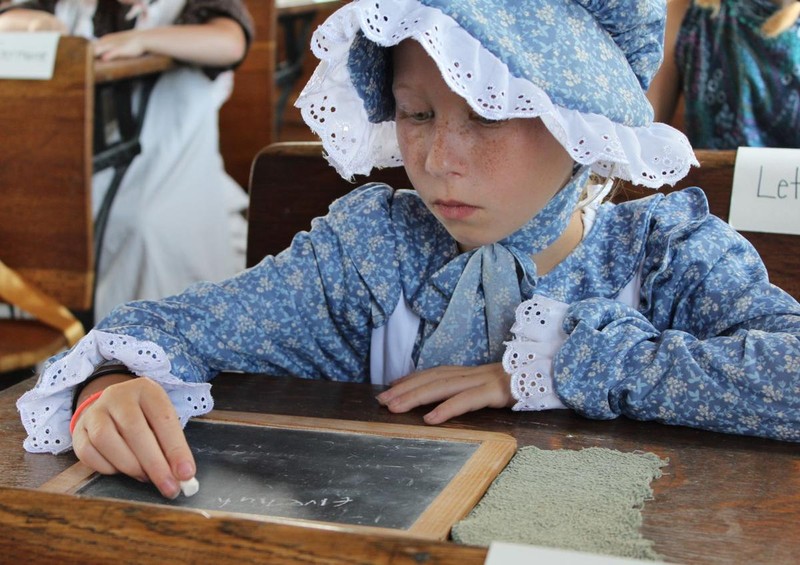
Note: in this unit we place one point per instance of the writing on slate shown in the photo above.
(340, 477)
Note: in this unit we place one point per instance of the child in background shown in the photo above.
(177, 217)
(499, 281)
(737, 65)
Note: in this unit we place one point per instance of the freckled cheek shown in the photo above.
(412, 147)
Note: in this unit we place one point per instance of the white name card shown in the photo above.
(766, 190)
(28, 54)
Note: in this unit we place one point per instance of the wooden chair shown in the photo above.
(291, 183)
(45, 215)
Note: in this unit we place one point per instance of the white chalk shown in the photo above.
(190, 487)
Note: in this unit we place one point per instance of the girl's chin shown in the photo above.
(468, 244)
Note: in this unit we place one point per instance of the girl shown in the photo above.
(499, 111)
(737, 65)
(177, 217)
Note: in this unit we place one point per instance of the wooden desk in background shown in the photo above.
(722, 499)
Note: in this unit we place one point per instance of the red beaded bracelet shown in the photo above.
(85, 404)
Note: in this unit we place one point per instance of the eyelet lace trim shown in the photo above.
(651, 156)
(529, 357)
(47, 408)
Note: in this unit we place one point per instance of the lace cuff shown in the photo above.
(46, 409)
(529, 357)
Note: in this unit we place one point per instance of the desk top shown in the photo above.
(722, 499)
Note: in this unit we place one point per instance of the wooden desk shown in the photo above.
(722, 499)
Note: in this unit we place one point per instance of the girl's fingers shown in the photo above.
(149, 419)
(467, 401)
(102, 437)
(459, 389)
(87, 453)
(134, 429)
(410, 382)
(145, 449)
(440, 387)
(491, 393)
(166, 426)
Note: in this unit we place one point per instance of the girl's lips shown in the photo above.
(454, 210)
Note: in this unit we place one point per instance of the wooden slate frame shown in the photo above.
(493, 452)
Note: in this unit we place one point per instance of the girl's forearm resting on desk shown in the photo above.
(220, 42)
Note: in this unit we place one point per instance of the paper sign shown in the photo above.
(504, 553)
(28, 54)
(766, 190)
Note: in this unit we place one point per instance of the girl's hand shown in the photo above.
(133, 429)
(30, 20)
(462, 390)
(120, 45)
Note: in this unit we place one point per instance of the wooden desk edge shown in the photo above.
(40, 526)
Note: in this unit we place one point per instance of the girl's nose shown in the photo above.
(446, 152)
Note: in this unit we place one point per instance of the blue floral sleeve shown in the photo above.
(306, 312)
(714, 345)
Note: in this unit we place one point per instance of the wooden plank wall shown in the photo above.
(246, 120)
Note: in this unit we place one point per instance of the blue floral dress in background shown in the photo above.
(740, 88)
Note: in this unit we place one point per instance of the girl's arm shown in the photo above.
(665, 89)
(306, 312)
(24, 19)
(716, 346)
(220, 42)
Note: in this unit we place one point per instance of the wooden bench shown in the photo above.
(291, 183)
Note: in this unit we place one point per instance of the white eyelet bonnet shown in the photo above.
(582, 66)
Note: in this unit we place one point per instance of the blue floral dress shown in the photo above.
(711, 344)
(740, 88)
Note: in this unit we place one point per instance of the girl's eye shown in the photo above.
(415, 116)
(486, 121)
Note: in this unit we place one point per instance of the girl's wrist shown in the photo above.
(106, 374)
(80, 409)
(101, 383)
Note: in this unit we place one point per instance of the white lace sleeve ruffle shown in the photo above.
(529, 356)
(651, 156)
(46, 409)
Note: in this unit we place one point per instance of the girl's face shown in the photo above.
(483, 180)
